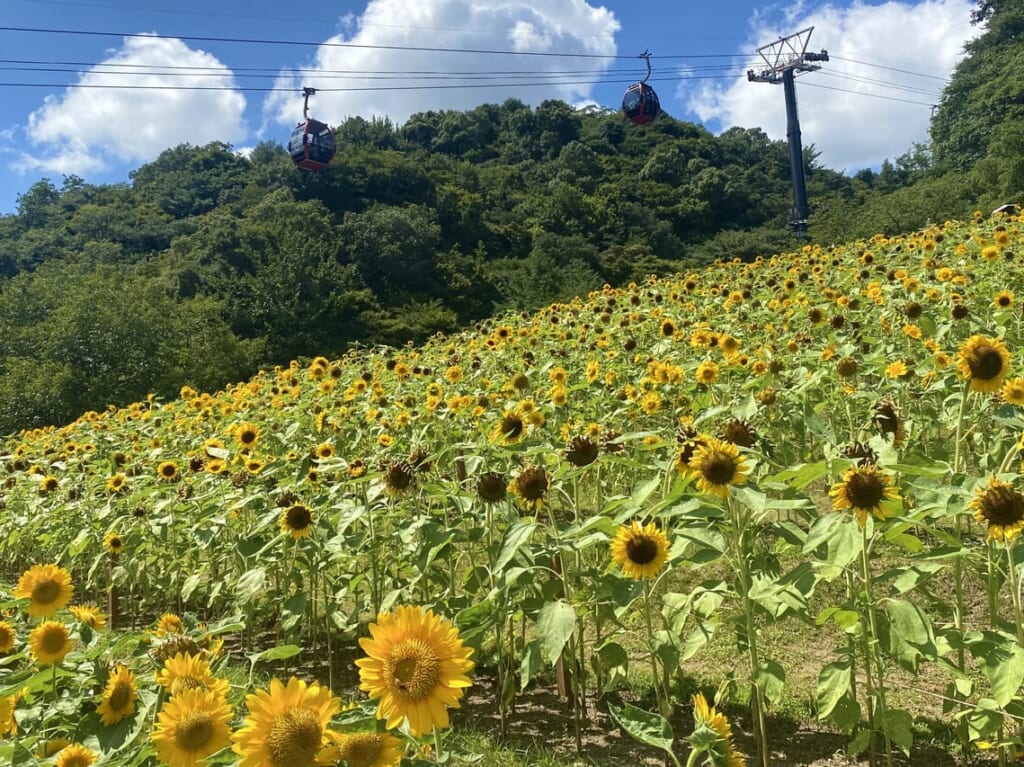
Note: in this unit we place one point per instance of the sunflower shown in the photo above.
(510, 428)
(582, 451)
(1001, 506)
(286, 726)
(417, 666)
(48, 484)
(188, 671)
(169, 623)
(297, 521)
(89, 615)
(167, 471)
(51, 747)
(713, 734)
(247, 434)
(113, 543)
(75, 755)
(640, 550)
(1003, 299)
(118, 696)
(887, 420)
(530, 485)
(49, 642)
(8, 724)
(984, 362)
(865, 489)
(1013, 391)
(117, 483)
(707, 372)
(192, 725)
(399, 478)
(717, 465)
(47, 586)
(362, 749)
(491, 487)
(739, 431)
(7, 637)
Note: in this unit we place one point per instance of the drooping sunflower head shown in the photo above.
(90, 615)
(7, 637)
(865, 490)
(847, 367)
(712, 734)
(296, 521)
(188, 671)
(718, 465)
(49, 642)
(688, 439)
(399, 478)
(582, 451)
(118, 696)
(417, 666)
(48, 484)
(640, 551)
(286, 726)
(739, 431)
(491, 487)
(984, 362)
(1001, 507)
(363, 749)
(530, 486)
(48, 587)
(169, 623)
(888, 421)
(192, 725)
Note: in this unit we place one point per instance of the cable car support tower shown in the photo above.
(784, 59)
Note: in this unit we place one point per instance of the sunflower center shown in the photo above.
(52, 642)
(121, 696)
(361, 749)
(533, 483)
(294, 738)
(414, 669)
(299, 517)
(1002, 506)
(864, 491)
(985, 363)
(641, 550)
(718, 468)
(193, 731)
(511, 426)
(45, 592)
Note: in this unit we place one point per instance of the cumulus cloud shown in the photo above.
(89, 129)
(851, 130)
(382, 79)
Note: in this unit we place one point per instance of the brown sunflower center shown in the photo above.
(45, 592)
(718, 467)
(52, 640)
(491, 486)
(298, 517)
(985, 362)
(121, 696)
(294, 738)
(193, 731)
(641, 549)
(511, 426)
(361, 749)
(865, 490)
(414, 668)
(581, 452)
(1002, 506)
(532, 484)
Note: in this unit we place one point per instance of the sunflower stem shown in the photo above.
(1015, 593)
(878, 690)
(659, 694)
(960, 426)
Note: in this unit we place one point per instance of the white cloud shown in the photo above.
(851, 131)
(89, 129)
(566, 26)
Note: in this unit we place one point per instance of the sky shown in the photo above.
(96, 88)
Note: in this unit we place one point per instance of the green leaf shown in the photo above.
(898, 724)
(613, 660)
(281, 652)
(643, 726)
(770, 677)
(833, 684)
(530, 664)
(250, 582)
(800, 476)
(846, 713)
(910, 633)
(515, 537)
(1002, 660)
(555, 625)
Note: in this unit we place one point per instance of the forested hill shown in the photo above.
(209, 264)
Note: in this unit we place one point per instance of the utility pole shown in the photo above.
(784, 59)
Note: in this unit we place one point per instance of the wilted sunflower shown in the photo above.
(530, 486)
(297, 521)
(860, 453)
(491, 487)
(399, 478)
(1001, 506)
(739, 431)
(640, 550)
(167, 471)
(192, 725)
(47, 586)
(847, 367)
(363, 749)
(286, 726)
(48, 484)
(188, 671)
(75, 755)
(865, 489)
(90, 615)
(717, 465)
(49, 642)
(984, 362)
(888, 421)
(118, 696)
(417, 666)
(582, 451)
(713, 734)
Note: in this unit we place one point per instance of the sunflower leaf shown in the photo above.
(555, 624)
(643, 726)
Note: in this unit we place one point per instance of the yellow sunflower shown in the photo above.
(117, 483)
(285, 726)
(7, 637)
(714, 734)
(186, 671)
(717, 464)
(1013, 391)
(192, 725)
(49, 642)
(169, 623)
(113, 543)
(47, 586)
(297, 521)
(509, 429)
(984, 362)
(247, 434)
(640, 550)
(530, 486)
(75, 755)
(1003, 299)
(417, 666)
(363, 749)
(118, 696)
(167, 471)
(1001, 507)
(8, 724)
(707, 372)
(865, 489)
(90, 615)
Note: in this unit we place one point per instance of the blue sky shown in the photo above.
(59, 113)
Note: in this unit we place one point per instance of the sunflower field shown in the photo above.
(656, 500)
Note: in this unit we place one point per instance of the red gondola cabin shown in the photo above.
(312, 142)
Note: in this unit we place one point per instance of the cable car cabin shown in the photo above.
(640, 104)
(312, 145)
